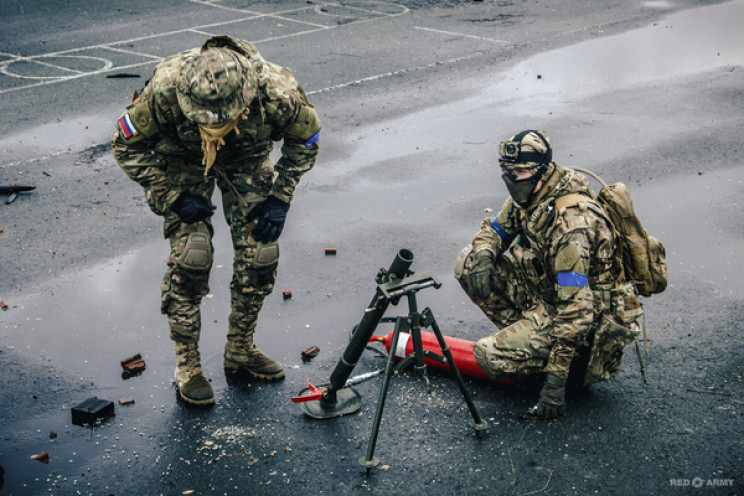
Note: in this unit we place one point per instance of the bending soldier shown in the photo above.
(210, 115)
(544, 271)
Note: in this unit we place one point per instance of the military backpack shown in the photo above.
(642, 257)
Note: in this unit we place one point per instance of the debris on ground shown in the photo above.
(13, 191)
(133, 366)
(92, 410)
(42, 456)
(310, 352)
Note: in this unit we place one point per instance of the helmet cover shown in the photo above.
(525, 149)
(214, 87)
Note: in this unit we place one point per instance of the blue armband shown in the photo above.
(313, 139)
(501, 231)
(567, 278)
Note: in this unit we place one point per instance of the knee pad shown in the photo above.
(266, 255)
(462, 257)
(197, 253)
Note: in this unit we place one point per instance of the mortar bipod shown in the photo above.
(413, 323)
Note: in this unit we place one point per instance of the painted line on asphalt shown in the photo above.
(108, 66)
(254, 15)
(461, 35)
(396, 73)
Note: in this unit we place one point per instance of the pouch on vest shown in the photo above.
(606, 355)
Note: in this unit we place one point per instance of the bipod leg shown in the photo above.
(477, 423)
(370, 461)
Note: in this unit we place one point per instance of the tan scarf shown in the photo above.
(212, 139)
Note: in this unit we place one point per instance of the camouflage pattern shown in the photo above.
(520, 348)
(192, 386)
(187, 362)
(606, 356)
(214, 87)
(280, 110)
(542, 324)
(183, 287)
(512, 152)
(161, 150)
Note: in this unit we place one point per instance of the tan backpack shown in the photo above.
(643, 256)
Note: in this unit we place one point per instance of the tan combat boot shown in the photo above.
(192, 386)
(242, 355)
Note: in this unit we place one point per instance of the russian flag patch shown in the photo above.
(126, 126)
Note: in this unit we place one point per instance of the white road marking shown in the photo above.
(366, 6)
(395, 73)
(461, 35)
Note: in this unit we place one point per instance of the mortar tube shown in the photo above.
(366, 327)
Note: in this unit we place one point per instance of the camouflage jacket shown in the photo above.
(281, 111)
(566, 255)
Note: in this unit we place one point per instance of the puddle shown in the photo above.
(681, 45)
(684, 44)
(57, 137)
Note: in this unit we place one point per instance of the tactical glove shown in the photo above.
(192, 208)
(480, 276)
(552, 403)
(271, 214)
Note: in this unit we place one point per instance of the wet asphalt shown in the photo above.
(414, 98)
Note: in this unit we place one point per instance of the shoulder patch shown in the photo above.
(137, 123)
(126, 126)
(306, 126)
(500, 230)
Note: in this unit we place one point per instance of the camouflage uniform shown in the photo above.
(555, 278)
(164, 155)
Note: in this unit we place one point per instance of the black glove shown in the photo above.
(271, 213)
(192, 208)
(552, 404)
(480, 276)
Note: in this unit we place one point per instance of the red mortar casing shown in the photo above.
(461, 349)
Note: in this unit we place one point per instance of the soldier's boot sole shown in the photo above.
(197, 391)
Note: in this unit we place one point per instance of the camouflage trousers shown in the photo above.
(523, 343)
(186, 280)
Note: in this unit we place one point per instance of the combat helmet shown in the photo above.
(215, 86)
(528, 150)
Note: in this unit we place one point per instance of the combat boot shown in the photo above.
(192, 386)
(242, 355)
